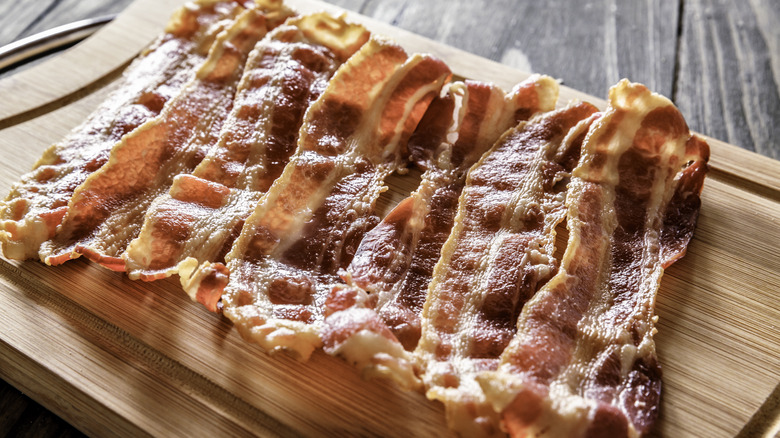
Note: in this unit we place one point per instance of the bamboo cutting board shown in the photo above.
(118, 357)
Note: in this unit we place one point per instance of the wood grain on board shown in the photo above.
(113, 356)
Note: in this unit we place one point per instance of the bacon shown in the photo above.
(306, 227)
(393, 265)
(106, 212)
(36, 205)
(201, 216)
(583, 362)
(500, 251)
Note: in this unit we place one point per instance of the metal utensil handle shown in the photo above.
(26, 48)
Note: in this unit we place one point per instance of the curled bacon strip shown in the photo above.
(36, 205)
(394, 263)
(499, 253)
(307, 225)
(583, 362)
(204, 211)
(446, 286)
(106, 212)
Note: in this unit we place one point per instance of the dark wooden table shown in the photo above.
(718, 60)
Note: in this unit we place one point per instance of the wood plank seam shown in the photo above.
(41, 16)
(676, 69)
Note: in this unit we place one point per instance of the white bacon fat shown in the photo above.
(306, 227)
(375, 323)
(36, 205)
(107, 210)
(499, 253)
(203, 213)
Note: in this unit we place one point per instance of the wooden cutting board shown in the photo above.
(120, 357)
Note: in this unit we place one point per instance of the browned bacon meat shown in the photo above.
(106, 212)
(308, 224)
(499, 253)
(36, 205)
(583, 362)
(394, 263)
(201, 216)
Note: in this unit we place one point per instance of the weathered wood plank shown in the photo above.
(22, 19)
(17, 17)
(646, 38)
(727, 85)
(588, 45)
(13, 405)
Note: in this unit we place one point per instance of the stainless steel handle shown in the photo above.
(26, 48)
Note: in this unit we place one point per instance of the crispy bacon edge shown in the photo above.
(374, 323)
(271, 245)
(583, 362)
(37, 204)
(106, 211)
(499, 253)
(211, 204)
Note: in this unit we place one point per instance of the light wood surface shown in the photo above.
(117, 357)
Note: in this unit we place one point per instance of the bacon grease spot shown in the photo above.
(290, 290)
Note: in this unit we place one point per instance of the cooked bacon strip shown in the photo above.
(499, 253)
(308, 224)
(106, 212)
(393, 265)
(36, 205)
(583, 362)
(201, 216)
